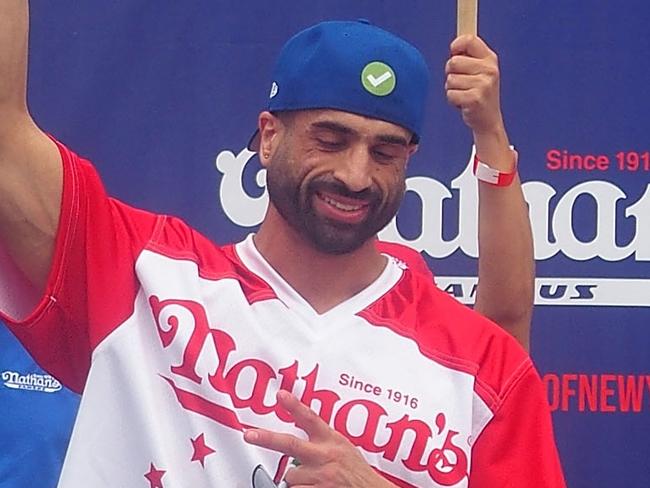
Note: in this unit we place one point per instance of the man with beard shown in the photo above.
(199, 363)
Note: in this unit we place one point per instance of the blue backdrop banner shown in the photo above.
(164, 95)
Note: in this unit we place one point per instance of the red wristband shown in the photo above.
(494, 177)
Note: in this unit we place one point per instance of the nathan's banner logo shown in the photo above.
(553, 229)
(30, 381)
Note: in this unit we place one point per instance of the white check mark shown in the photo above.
(375, 82)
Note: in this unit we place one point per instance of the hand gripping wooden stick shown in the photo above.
(467, 17)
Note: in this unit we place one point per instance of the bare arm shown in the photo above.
(30, 166)
(506, 263)
(506, 269)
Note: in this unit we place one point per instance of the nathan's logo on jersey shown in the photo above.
(552, 217)
(423, 445)
(31, 381)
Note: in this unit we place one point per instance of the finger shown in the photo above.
(303, 416)
(463, 82)
(458, 45)
(289, 444)
(465, 65)
(463, 98)
(471, 46)
(302, 475)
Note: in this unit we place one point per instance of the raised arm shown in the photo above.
(506, 265)
(30, 167)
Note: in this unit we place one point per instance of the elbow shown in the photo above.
(512, 311)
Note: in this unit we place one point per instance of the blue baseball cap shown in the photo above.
(351, 66)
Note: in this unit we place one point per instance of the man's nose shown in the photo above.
(355, 168)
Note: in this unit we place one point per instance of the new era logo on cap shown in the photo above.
(274, 90)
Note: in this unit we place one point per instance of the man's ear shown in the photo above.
(270, 128)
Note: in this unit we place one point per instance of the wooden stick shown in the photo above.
(467, 17)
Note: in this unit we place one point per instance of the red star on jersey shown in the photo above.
(201, 450)
(154, 476)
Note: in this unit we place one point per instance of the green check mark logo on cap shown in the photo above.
(378, 78)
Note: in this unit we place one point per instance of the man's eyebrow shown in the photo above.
(392, 139)
(344, 129)
(333, 126)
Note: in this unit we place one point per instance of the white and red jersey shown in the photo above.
(179, 345)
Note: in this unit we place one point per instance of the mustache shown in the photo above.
(370, 195)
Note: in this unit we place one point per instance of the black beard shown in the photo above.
(327, 236)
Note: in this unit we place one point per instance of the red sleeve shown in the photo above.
(517, 448)
(92, 285)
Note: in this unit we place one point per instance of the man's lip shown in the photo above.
(355, 202)
(324, 206)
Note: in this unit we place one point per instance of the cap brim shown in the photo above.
(254, 142)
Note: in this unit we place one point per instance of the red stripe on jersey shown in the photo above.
(451, 334)
(176, 240)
